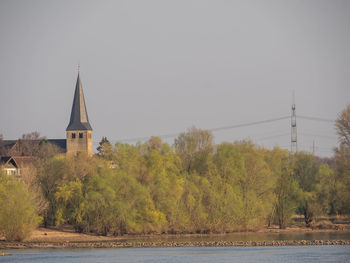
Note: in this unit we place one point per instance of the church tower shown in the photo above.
(79, 131)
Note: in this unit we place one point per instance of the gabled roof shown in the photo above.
(9, 143)
(60, 143)
(11, 146)
(5, 161)
(22, 161)
(79, 118)
(14, 147)
(15, 161)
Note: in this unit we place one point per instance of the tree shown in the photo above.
(29, 144)
(154, 143)
(324, 188)
(314, 180)
(229, 161)
(195, 147)
(343, 126)
(257, 184)
(71, 205)
(17, 212)
(128, 159)
(29, 177)
(165, 186)
(286, 190)
(225, 202)
(341, 193)
(2, 146)
(45, 150)
(305, 171)
(104, 212)
(50, 175)
(105, 149)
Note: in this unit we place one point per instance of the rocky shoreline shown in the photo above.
(160, 244)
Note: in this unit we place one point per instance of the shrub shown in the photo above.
(17, 213)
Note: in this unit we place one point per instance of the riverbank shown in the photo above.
(293, 236)
(67, 234)
(149, 244)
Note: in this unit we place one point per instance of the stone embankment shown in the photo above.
(119, 244)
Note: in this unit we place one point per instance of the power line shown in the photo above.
(273, 136)
(314, 118)
(248, 124)
(319, 135)
(171, 135)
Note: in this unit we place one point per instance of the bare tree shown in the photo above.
(343, 126)
(2, 146)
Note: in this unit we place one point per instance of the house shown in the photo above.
(18, 153)
(15, 165)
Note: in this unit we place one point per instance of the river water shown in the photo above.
(288, 254)
(251, 236)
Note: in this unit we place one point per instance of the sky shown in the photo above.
(152, 68)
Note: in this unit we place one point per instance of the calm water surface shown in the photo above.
(171, 255)
(253, 236)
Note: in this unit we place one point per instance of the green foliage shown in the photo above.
(256, 186)
(316, 182)
(17, 212)
(286, 189)
(193, 187)
(340, 194)
(51, 174)
(195, 147)
(340, 191)
(71, 206)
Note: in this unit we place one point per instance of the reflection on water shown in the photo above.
(173, 255)
(252, 237)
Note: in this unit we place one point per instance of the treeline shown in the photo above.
(194, 186)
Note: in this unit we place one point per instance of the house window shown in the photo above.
(80, 135)
(11, 171)
(73, 135)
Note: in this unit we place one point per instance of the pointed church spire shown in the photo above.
(79, 119)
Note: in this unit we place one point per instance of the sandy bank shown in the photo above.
(52, 238)
(68, 235)
(120, 244)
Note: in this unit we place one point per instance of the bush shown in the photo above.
(17, 213)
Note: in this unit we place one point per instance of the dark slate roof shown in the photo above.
(79, 118)
(4, 159)
(7, 162)
(60, 143)
(9, 143)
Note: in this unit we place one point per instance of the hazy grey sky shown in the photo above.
(159, 67)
